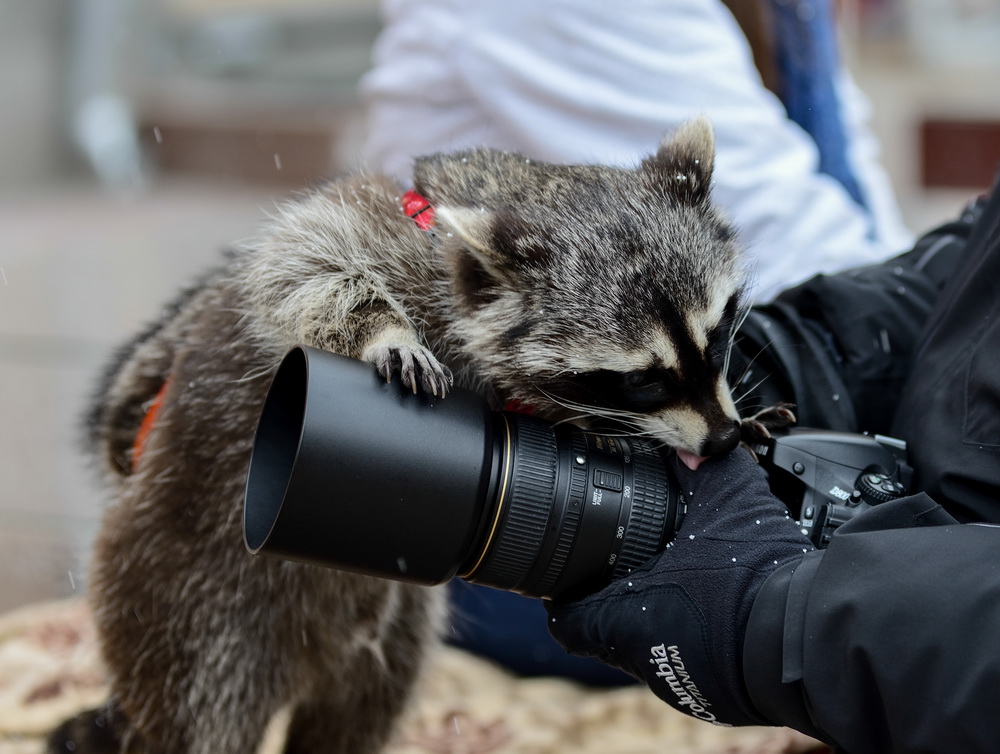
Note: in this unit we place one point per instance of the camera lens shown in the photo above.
(572, 510)
(354, 473)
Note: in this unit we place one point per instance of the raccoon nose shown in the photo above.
(721, 442)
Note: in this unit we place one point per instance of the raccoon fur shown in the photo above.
(585, 292)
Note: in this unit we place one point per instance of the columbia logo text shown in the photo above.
(670, 667)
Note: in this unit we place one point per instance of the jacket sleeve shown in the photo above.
(887, 641)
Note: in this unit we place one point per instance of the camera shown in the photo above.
(826, 478)
(355, 473)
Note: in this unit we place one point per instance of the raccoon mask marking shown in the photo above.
(593, 292)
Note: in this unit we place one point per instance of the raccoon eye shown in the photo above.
(644, 378)
(648, 389)
(640, 391)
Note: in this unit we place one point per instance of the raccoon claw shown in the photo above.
(415, 365)
(757, 428)
(753, 431)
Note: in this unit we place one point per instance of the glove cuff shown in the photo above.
(771, 659)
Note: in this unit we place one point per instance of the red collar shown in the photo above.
(419, 209)
(517, 407)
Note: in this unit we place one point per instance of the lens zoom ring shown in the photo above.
(571, 519)
(528, 506)
(650, 500)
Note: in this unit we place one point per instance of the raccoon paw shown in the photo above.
(757, 428)
(415, 365)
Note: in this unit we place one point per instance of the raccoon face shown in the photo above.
(596, 293)
(671, 386)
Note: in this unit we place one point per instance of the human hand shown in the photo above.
(678, 623)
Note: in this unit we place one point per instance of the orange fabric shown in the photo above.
(148, 421)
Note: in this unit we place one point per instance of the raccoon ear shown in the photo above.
(474, 229)
(683, 164)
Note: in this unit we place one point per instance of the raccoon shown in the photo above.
(585, 292)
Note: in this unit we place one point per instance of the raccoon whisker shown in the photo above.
(570, 405)
(608, 413)
(746, 370)
(749, 390)
(643, 433)
(254, 375)
(630, 428)
(744, 396)
(589, 412)
(572, 419)
(740, 319)
(725, 361)
(741, 316)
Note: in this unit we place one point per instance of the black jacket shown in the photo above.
(888, 640)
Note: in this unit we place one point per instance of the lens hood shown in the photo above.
(360, 474)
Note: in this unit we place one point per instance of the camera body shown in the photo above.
(354, 473)
(826, 478)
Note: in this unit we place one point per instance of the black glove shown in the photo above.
(677, 624)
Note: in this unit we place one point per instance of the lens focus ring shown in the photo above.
(650, 495)
(533, 476)
(573, 511)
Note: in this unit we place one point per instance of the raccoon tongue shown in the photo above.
(689, 459)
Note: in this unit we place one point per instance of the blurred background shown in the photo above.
(139, 137)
